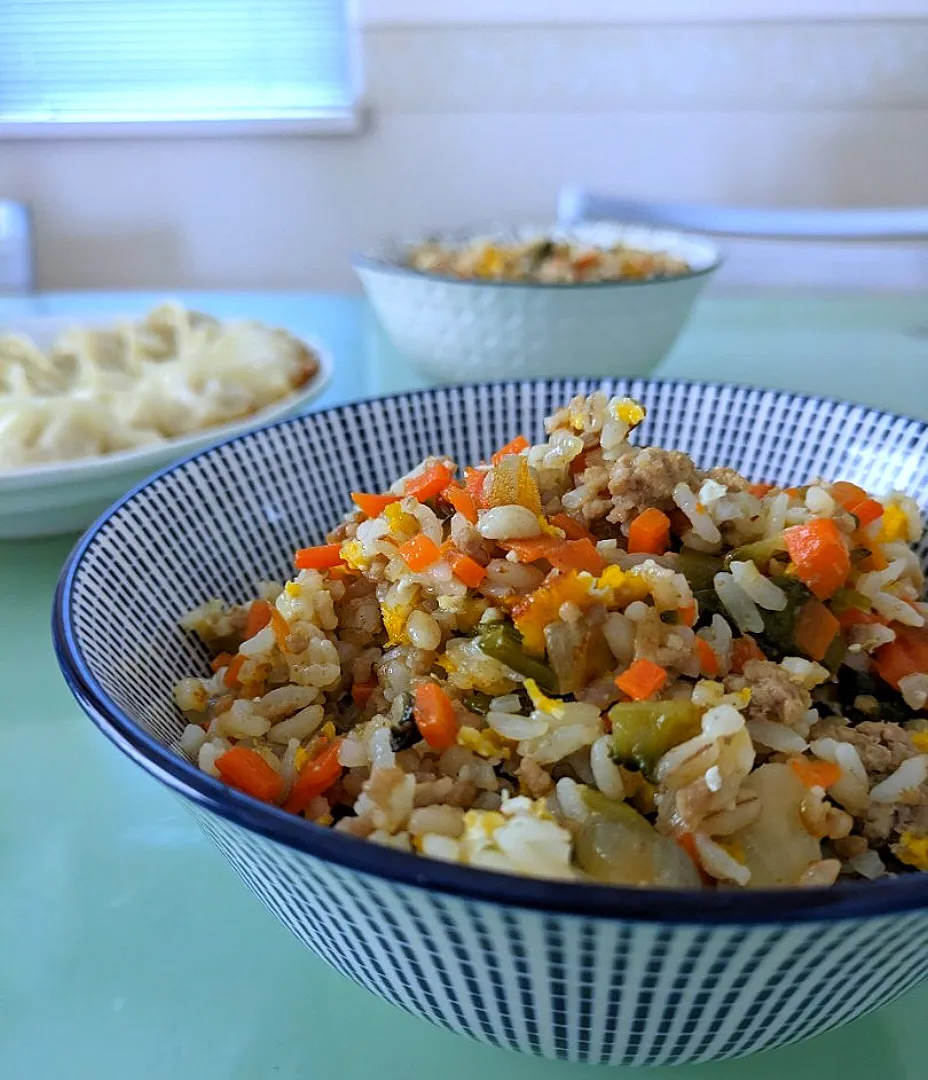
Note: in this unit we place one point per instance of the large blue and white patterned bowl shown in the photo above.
(458, 330)
(582, 972)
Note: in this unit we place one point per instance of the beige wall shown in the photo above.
(479, 123)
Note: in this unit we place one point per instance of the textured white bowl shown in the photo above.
(62, 497)
(457, 331)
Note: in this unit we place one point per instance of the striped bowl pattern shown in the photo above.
(583, 973)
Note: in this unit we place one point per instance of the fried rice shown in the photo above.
(588, 660)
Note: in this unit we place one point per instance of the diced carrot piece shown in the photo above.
(466, 569)
(429, 483)
(235, 666)
(434, 716)
(820, 555)
(907, 655)
(462, 501)
(221, 661)
(875, 561)
(576, 555)
(642, 680)
(649, 533)
(760, 490)
(259, 615)
(708, 661)
(323, 557)
(246, 770)
(572, 528)
(515, 446)
(743, 650)
(867, 512)
(815, 630)
(361, 692)
(688, 614)
(815, 773)
(420, 553)
(847, 495)
(316, 777)
(856, 617)
(528, 551)
(474, 480)
(372, 505)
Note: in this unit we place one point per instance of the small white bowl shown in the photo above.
(458, 330)
(67, 496)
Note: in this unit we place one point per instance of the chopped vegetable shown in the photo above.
(372, 505)
(572, 528)
(434, 714)
(235, 666)
(578, 653)
(259, 615)
(625, 849)
(816, 628)
(466, 569)
(698, 568)
(361, 692)
(649, 533)
(513, 484)
(281, 628)
(474, 480)
(849, 600)
(221, 661)
(462, 501)
(503, 643)
(515, 446)
(576, 555)
(854, 617)
(688, 614)
(760, 490)
(847, 495)
(477, 702)
(323, 557)
(420, 553)
(642, 680)
(528, 551)
(643, 731)
(760, 552)
(779, 634)
(533, 613)
(867, 512)
(820, 555)
(316, 777)
(875, 561)
(246, 770)
(430, 482)
(708, 661)
(815, 773)
(907, 655)
(743, 650)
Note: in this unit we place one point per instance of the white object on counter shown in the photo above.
(458, 330)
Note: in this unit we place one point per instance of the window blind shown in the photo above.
(99, 61)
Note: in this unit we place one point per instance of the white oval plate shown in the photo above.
(66, 496)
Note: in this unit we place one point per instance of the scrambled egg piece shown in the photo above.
(628, 411)
(551, 706)
(293, 588)
(402, 524)
(895, 525)
(487, 743)
(352, 552)
(300, 758)
(912, 850)
(920, 739)
(520, 837)
(625, 586)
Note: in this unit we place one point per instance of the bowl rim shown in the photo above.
(846, 901)
(378, 261)
(52, 473)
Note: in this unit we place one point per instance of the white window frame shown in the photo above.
(389, 13)
(335, 122)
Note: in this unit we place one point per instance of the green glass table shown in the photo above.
(128, 949)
